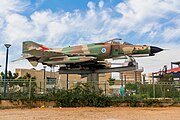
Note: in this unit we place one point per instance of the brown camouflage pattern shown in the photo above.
(81, 53)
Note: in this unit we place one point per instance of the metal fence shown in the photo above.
(26, 88)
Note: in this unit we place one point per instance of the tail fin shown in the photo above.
(29, 45)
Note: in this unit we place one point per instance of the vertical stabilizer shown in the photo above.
(29, 45)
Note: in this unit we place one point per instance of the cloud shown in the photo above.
(2, 60)
(139, 21)
(171, 33)
(12, 6)
(151, 10)
(91, 5)
(101, 3)
(96, 24)
(17, 28)
(146, 16)
(155, 63)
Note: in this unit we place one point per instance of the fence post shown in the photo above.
(59, 85)
(29, 89)
(105, 88)
(154, 93)
(74, 84)
(54, 85)
(40, 87)
(67, 82)
(125, 84)
(136, 82)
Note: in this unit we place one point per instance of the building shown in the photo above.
(49, 80)
(149, 78)
(54, 79)
(174, 71)
(126, 77)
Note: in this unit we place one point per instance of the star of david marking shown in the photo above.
(103, 50)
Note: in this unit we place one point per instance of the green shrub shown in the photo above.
(85, 94)
(88, 94)
(151, 102)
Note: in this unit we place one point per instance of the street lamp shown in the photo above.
(5, 75)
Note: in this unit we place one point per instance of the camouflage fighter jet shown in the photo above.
(85, 56)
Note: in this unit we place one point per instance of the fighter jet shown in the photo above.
(85, 56)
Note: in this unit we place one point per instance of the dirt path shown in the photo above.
(170, 113)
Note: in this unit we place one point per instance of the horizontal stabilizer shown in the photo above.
(23, 57)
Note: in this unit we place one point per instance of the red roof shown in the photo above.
(174, 70)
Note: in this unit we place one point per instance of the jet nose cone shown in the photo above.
(154, 49)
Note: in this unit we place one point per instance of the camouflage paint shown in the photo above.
(81, 53)
(67, 50)
(74, 59)
(141, 50)
(29, 45)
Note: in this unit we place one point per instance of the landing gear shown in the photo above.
(130, 64)
(130, 61)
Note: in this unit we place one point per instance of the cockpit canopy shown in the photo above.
(118, 41)
(126, 43)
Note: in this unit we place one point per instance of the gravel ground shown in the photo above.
(117, 113)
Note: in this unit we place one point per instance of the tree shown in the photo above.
(10, 75)
(2, 75)
(111, 81)
(131, 86)
(166, 78)
(27, 76)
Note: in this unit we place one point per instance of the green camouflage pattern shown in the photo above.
(81, 53)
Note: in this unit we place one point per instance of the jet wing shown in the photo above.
(69, 60)
(44, 53)
(81, 54)
(54, 53)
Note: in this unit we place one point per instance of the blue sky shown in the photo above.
(70, 5)
(59, 23)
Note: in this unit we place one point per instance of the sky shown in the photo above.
(60, 23)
